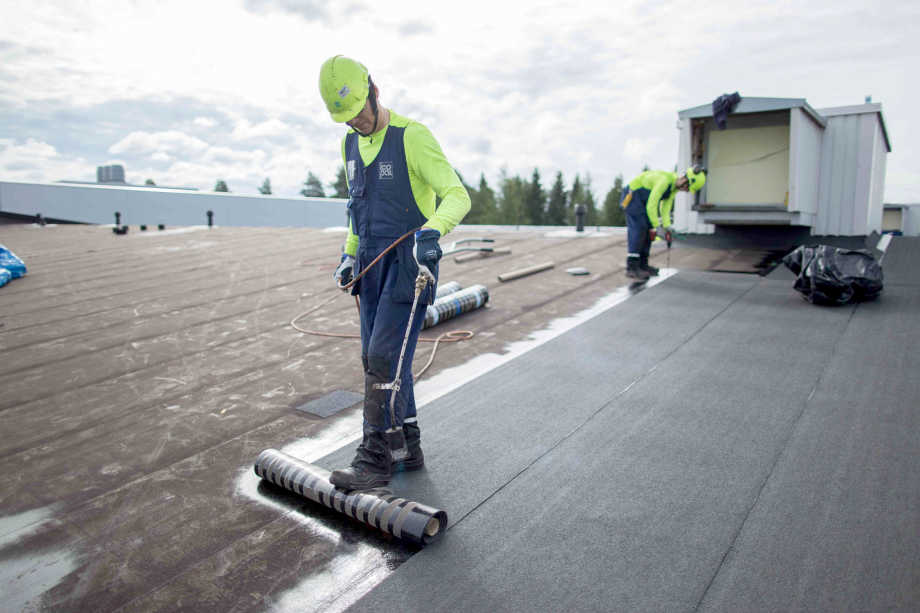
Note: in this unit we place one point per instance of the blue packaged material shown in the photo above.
(5, 276)
(11, 262)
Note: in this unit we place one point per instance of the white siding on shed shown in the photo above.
(685, 218)
(804, 161)
(853, 157)
(877, 181)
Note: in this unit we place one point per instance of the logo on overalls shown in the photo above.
(350, 170)
(386, 170)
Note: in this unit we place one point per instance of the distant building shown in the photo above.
(902, 219)
(110, 174)
(114, 174)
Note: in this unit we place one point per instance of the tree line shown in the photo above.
(515, 200)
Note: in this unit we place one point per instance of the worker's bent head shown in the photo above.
(696, 178)
(344, 85)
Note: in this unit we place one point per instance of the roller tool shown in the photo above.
(395, 437)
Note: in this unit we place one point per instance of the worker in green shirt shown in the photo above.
(395, 170)
(648, 200)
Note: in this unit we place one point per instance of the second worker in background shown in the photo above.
(648, 200)
(395, 170)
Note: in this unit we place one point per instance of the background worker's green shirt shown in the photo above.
(430, 176)
(657, 182)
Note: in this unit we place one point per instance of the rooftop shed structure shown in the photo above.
(780, 162)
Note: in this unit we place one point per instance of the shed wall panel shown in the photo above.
(804, 162)
(685, 218)
(836, 199)
(877, 186)
(749, 165)
(865, 141)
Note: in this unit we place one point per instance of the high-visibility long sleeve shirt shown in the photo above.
(430, 176)
(661, 189)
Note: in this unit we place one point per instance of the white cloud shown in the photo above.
(170, 141)
(243, 130)
(39, 161)
(204, 122)
(638, 149)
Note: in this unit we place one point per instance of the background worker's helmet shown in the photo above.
(343, 84)
(697, 177)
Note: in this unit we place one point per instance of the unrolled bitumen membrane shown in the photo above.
(405, 519)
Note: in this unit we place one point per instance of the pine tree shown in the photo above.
(614, 215)
(555, 212)
(483, 203)
(221, 186)
(534, 201)
(340, 185)
(312, 187)
(511, 200)
(576, 196)
(266, 188)
(150, 183)
(590, 204)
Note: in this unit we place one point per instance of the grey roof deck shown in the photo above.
(713, 442)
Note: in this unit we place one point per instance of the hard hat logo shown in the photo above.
(344, 91)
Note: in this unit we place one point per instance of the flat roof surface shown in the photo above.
(712, 441)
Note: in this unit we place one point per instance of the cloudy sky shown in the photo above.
(187, 92)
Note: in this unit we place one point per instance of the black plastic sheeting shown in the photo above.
(834, 276)
(405, 519)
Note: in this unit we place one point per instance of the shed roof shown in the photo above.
(763, 105)
(756, 105)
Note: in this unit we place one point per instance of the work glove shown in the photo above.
(668, 235)
(344, 272)
(427, 252)
(652, 233)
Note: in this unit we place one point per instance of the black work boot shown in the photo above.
(634, 271)
(644, 265)
(370, 468)
(416, 459)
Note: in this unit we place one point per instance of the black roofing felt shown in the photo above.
(716, 442)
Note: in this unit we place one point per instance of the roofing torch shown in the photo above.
(395, 437)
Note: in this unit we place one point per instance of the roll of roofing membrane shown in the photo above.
(448, 287)
(405, 519)
(457, 303)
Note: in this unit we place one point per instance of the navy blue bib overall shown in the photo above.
(637, 221)
(381, 209)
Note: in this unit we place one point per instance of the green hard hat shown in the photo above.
(344, 87)
(697, 177)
